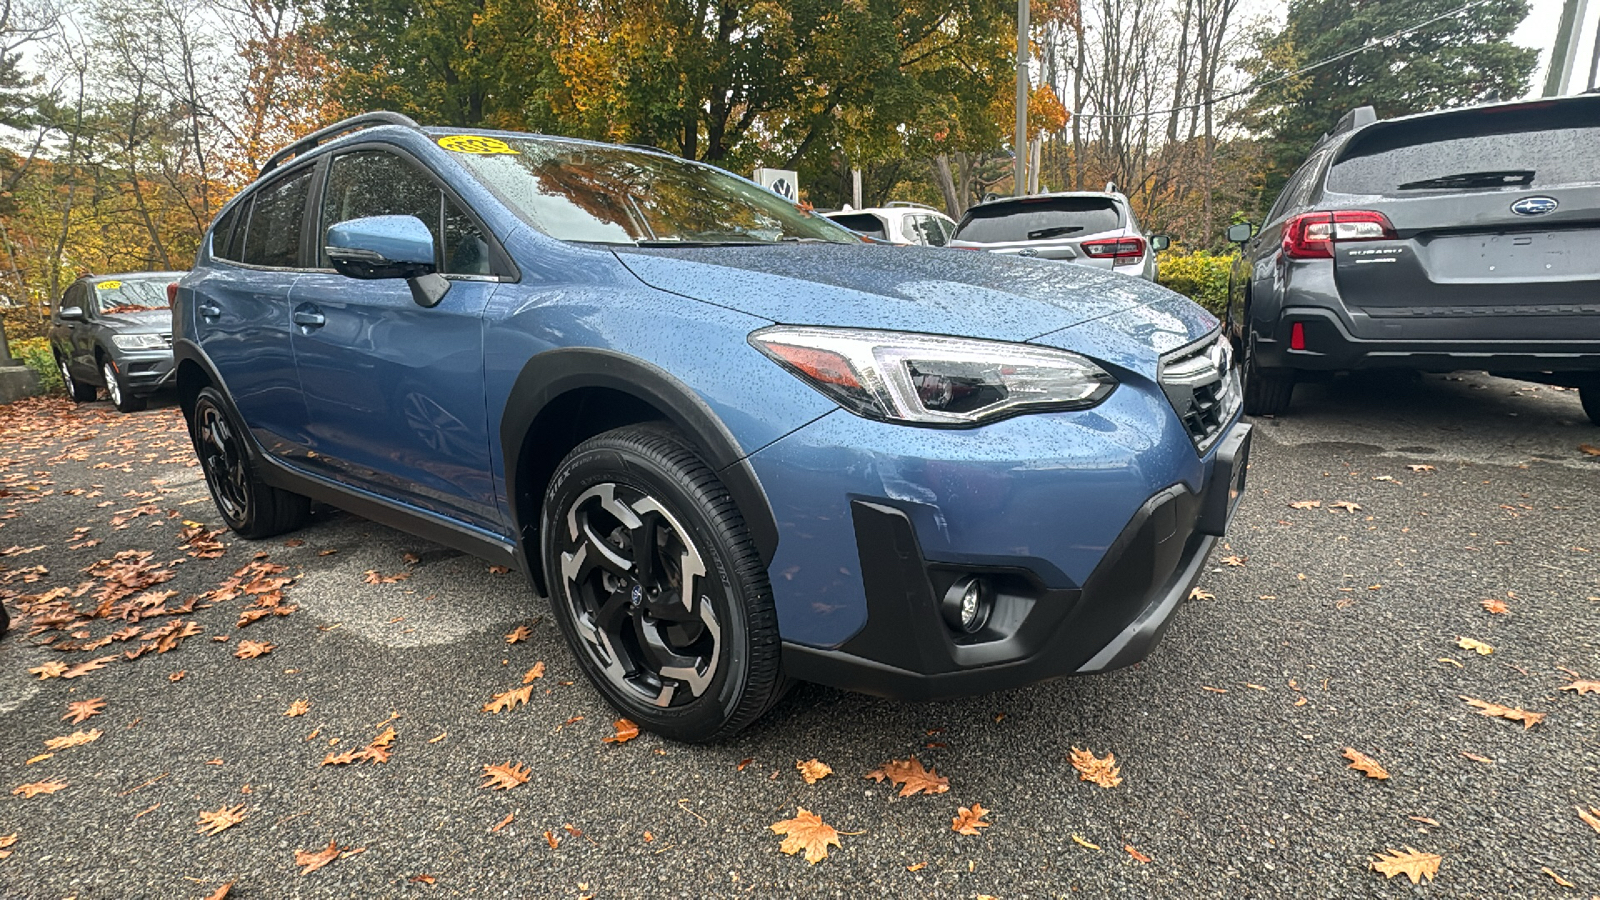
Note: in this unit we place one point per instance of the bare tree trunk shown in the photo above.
(947, 186)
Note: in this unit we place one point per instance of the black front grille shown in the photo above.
(1203, 387)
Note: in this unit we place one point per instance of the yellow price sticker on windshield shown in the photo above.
(108, 285)
(475, 143)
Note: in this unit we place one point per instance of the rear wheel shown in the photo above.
(1266, 391)
(118, 391)
(1589, 394)
(250, 506)
(80, 393)
(658, 587)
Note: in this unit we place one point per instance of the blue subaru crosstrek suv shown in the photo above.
(732, 443)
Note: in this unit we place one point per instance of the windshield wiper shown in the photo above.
(1058, 231)
(1501, 178)
(795, 239)
(672, 243)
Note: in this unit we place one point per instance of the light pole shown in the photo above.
(1564, 53)
(1020, 143)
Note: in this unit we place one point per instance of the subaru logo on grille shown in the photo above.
(1534, 206)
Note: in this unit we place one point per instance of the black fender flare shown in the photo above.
(548, 376)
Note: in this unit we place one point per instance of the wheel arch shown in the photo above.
(564, 397)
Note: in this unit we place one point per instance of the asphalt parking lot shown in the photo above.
(1319, 628)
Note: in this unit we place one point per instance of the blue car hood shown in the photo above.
(896, 288)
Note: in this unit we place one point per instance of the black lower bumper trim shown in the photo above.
(1330, 346)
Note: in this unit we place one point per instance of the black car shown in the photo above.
(115, 331)
(1459, 239)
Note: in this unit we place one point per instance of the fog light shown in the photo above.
(967, 605)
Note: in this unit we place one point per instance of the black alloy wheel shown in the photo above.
(658, 588)
(252, 508)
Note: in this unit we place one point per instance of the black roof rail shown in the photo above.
(323, 135)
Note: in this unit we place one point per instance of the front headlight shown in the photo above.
(924, 379)
(138, 341)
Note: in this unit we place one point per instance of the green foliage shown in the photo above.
(736, 82)
(1200, 276)
(35, 352)
(1461, 59)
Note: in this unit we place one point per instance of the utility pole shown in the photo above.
(1564, 53)
(1019, 145)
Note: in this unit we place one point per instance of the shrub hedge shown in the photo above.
(1200, 276)
(35, 352)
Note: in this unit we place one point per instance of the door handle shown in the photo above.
(208, 310)
(309, 317)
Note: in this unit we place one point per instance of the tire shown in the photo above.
(1589, 395)
(121, 397)
(249, 506)
(80, 393)
(624, 615)
(1266, 391)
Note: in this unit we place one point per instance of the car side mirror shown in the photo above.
(71, 314)
(1160, 242)
(377, 247)
(1240, 233)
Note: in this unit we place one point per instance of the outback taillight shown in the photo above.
(1312, 235)
(1124, 251)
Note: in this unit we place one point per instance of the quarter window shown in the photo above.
(375, 183)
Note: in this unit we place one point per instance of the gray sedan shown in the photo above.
(115, 331)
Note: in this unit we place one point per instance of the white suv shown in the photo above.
(899, 223)
(1094, 228)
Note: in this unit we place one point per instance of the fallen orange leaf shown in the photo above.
(1134, 852)
(1414, 864)
(912, 777)
(310, 862)
(1364, 764)
(813, 770)
(626, 731)
(221, 820)
(34, 789)
(506, 775)
(806, 831)
(509, 699)
(83, 709)
(1104, 772)
(1515, 714)
(1583, 687)
(969, 819)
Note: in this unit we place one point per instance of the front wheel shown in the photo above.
(658, 587)
(121, 398)
(250, 506)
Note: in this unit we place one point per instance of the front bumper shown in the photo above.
(1039, 629)
(145, 372)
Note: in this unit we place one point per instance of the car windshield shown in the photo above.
(612, 195)
(123, 295)
(1039, 219)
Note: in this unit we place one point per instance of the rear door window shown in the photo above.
(273, 238)
(1538, 145)
(376, 183)
(1040, 219)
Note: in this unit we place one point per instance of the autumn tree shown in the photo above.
(1460, 59)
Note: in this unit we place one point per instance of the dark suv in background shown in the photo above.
(1460, 239)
